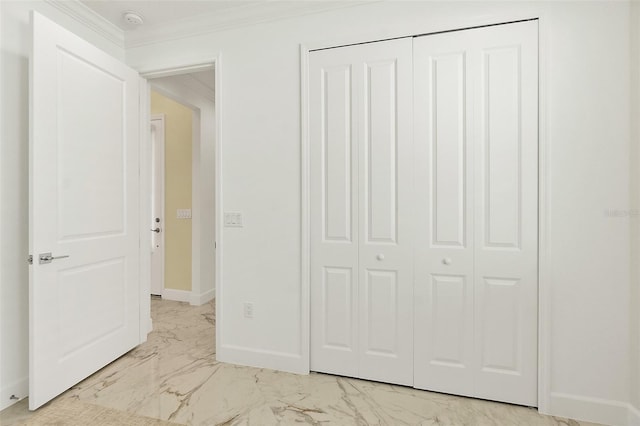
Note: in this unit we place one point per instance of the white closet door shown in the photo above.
(386, 198)
(506, 215)
(361, 183)
(334, 213)
(476, 170)
(444, 214)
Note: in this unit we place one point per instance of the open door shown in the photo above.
(84, 294)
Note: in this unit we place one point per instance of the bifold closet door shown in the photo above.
(476, 142)
(361, 194)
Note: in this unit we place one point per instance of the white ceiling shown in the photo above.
(207, 78)
(160, 12)
(199, 83)
(170, 19)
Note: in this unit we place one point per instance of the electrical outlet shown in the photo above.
(248, 310)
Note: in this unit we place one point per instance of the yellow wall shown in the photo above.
(178, 163)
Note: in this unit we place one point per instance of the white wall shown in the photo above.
(586, 57)
(15, 42)
(588, 140)
(203, 200)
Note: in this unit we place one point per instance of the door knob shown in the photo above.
(45, 258)
(380, 256)
(157, 230)
(446, 261)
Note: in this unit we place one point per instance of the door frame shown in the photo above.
(167, 69)
(161, 118)
(544, 269)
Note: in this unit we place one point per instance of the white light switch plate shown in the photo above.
(183, 214)
(248, 310)
(233, 219)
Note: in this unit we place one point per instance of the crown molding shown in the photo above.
(91, 19)
(237, 17)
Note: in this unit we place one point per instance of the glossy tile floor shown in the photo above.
(174, 377)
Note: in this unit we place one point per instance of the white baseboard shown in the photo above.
(634, 416)
(176, 295)
(201, 299)
(19, 388)
(291, 363)
(587, 409)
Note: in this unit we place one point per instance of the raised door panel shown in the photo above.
(334, 210)
(506, 188)
(448, 321)
(385, 199)
(501, 343)
(502, 162)
(336, 141)
(380, 143)
(448, 150)
(338, 306)
(102, 309)
(443, 304)
(381, 314)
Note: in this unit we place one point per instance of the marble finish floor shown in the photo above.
(174, 377)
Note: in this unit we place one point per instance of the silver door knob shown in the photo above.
(45, 258)
(157, 230)
(380, 256)
(447, 261)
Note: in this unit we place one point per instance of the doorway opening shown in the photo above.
(182, 169)
(157, 203)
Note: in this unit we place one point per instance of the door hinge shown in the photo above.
(30, 259)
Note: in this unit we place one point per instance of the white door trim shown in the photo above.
(544, 265)
(161, 194)
(544, 333)
(169, 69)
(145, 211)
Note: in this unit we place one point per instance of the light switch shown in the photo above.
(183, 214)
(233, 219)
(248, 310)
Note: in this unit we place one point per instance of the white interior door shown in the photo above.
(334, 213)
(157, 205)
(361, 238)
(476, 141)
(84, 209)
